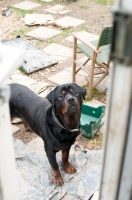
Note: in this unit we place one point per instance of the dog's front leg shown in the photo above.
(56, 175)
(70, 169)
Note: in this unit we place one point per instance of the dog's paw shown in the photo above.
(57, 179)
(70, 169)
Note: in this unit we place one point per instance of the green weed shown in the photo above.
(19, 32)
(84, 6)
(22, 12)
(21, 70)
(100, 137)
(83, 27)
(103, 2)
(66, 33)
(50, 41)
(95, 94)
(40, 1)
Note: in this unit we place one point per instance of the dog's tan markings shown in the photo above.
(63, 111)
(13, 118)
(70, 169)
(71, 90)
(27, 127)
(56, 149)
(56, 177)
(63, 92)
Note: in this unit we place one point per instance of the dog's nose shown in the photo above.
(70, 99)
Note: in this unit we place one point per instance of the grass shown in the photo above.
(84, 6)
(66, 33)
(22, 12)
(98, 140)
(21, 70)
(50, 41)
(38, 47)
(19, 32)
(83, 28)
(95, 94)
(103, 2)
(40, 1)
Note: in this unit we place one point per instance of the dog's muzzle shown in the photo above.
(56, 120)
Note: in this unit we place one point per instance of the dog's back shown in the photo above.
(25, 104)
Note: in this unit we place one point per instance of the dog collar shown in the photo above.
(57, 121)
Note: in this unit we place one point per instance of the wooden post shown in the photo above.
(74, 58)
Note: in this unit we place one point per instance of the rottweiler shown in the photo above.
(55, 119)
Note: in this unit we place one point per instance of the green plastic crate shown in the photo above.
(91, 120)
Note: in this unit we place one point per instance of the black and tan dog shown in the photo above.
(56, 120)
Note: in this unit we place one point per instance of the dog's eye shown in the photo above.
(75, 93)
(61, 96)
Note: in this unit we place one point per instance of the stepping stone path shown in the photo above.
(15, 129)
(63, 12)
(69, 22)
(58, 52)
(43, 33)
(58, 9)
(38, 19)
(66, 77)
(54, 9)
(26, 5)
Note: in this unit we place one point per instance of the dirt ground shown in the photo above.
(96, 16)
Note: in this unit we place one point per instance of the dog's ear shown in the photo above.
(51, 96)
(82, 91)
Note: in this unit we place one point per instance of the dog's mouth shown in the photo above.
(72, 117)
(72, 110)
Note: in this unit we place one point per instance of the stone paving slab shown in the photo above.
(47, 91)
(38, 19)
(38, 87)
(37, 144)
(26, 5)
(69, 22)
(83, 60)
(21, 79)
(66, 77)
(14, 129)
(84, 35)
(43, 33)
(54, 9)
(103, 85)
(63, 12)
(58, 52)
(81, 72)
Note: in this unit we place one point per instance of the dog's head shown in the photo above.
(67, 101)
